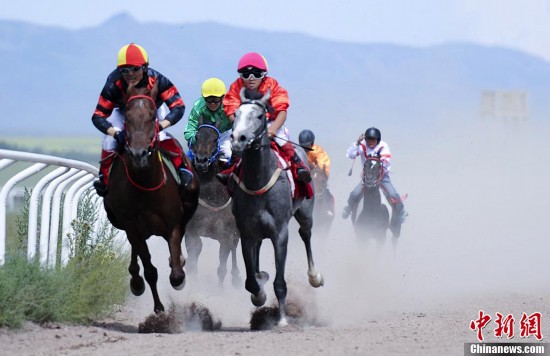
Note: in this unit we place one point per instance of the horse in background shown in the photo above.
(373, 220)
(213, 217)
(263, 202)
(323, 209)
(144, 198)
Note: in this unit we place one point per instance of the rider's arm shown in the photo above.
(353, 151)
(192, 125)
(172, 98)
(276, 124)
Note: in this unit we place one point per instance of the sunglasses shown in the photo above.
(248, 74)
(213, 100)
(126, 70)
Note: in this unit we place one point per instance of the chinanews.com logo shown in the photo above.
(528, 326)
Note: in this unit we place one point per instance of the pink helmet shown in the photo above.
(252, 59)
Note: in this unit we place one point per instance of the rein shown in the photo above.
(140, 187)
(263, 189)
(213, 208)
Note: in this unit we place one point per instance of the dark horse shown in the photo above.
(213, 217)
(144, 198)
(323, 210)
(373, 221)
(263, 203)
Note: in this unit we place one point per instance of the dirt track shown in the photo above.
(475, 240)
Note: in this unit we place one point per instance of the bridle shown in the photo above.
(255, 143)
(215, 154)
(153, 146)
(381, 174)
(154, 140)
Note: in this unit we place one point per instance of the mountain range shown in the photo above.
(53, 76)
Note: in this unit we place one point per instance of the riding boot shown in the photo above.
(302, 171)
(223, 177)
(101, 184)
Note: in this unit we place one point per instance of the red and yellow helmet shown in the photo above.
(132, 55)
(252, 59)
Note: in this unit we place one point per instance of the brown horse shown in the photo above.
(144, 198)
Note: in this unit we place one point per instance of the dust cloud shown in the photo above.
(477, 201)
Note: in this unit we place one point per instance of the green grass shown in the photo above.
(90, 286)
(54, 144)
(85, 149)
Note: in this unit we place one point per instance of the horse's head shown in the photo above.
(373, 172)
(205, 147)
(141, 124)
(250, 123)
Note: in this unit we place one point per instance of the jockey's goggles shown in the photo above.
(213, 100)
(126, 70)
(249, 73)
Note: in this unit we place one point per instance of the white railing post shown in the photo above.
(35, 168)
(50, 188)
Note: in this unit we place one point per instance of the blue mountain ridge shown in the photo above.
(53, 76)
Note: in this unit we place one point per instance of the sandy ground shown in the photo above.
(475, 240)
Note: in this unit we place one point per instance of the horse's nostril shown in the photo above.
(242, 138)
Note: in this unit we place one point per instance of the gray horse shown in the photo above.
(263, 203)
(213, 217)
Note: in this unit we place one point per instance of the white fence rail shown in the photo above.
(74, 178)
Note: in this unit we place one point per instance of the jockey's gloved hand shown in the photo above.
(120, 138)
(360, 138)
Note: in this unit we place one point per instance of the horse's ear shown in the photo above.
(200, 120)
(241, 94)
(154, 91)
(266, 97)
(218, 123)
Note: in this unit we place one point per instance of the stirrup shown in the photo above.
(100, 188)
(186, 177)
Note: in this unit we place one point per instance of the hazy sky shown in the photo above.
(520, 24)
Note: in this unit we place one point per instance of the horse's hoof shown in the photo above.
(283, 323)
(137, 286)
(159, 308)
(178, 282)
(259, 299)
(316, 280)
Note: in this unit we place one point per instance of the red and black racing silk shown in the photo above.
(112, 95)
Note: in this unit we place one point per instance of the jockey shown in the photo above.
(210, 107)
(370, 144)
(108, 117)
(252, 69)
(317, 157)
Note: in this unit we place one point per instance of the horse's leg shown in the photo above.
(137, 285)
(280, 247)
(193, 244)
(151, 275)
(250, 255)
(223, 255)
(305, 221)
(177, 261)
(235, 274)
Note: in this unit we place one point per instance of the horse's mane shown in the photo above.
(257, 95)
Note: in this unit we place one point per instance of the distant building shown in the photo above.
(502, 104)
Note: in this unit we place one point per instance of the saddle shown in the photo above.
(299, 189)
